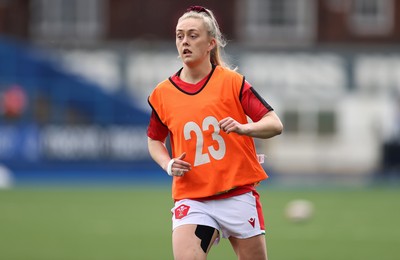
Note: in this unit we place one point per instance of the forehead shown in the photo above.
(190, 24)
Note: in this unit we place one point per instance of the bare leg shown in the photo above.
(192, 241)
(253, 248)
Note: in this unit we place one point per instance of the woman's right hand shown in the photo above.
(178, 167)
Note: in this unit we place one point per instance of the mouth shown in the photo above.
(186, 51)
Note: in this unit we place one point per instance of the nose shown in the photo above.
(185, 40)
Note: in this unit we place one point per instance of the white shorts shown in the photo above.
(239, 216)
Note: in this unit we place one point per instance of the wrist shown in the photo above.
(169, 167)
(247, 129)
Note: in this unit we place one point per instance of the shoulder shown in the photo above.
(160, 86)
(229, 73)
(164, 83)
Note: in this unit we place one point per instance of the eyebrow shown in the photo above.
(190, 30)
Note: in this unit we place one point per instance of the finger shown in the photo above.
(181, 168)
(182, 164)
(228, 126)
(182, 156)
(225, 119)
(233, 128)
(179, 172)
(223, 122)
(222, 126)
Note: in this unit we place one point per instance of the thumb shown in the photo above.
(182, 156)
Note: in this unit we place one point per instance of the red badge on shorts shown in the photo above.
(181, 211)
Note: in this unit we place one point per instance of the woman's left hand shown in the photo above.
(230, 125)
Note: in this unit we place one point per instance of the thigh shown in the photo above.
(240, 216)
(192, 241)
(253, 248)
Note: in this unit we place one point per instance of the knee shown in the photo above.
(253, 248)
(189, 253)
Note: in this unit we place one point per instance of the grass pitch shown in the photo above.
(135, 223)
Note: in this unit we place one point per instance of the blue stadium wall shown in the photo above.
(109, 145)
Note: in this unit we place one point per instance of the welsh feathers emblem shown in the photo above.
(181, 211)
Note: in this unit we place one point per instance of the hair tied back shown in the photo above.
(198, 9)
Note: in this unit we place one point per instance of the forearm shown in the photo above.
(174, 167)
(267, 127)
(158, 151)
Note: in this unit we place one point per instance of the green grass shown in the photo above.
(135, 223)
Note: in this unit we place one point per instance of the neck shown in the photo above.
(195, 74)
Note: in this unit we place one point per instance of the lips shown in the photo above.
(186, 51)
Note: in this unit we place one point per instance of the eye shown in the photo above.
(179, 36)
(193, 36)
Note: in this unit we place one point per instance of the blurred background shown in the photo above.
(75, 76)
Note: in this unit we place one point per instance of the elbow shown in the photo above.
(273, 127)
(276, 126)
(279, 128)
(276, 129)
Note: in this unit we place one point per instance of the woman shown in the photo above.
(204, 109)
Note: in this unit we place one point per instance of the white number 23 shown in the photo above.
(200, 157)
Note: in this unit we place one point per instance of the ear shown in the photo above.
(212, 44)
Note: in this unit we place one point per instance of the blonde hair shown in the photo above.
(213, 30)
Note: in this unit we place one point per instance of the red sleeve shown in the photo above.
(253, 104)
(156, 130)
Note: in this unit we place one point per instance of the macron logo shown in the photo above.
(252, 222)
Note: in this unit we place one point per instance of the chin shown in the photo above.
(189, 62)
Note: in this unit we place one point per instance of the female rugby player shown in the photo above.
(203, 108)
